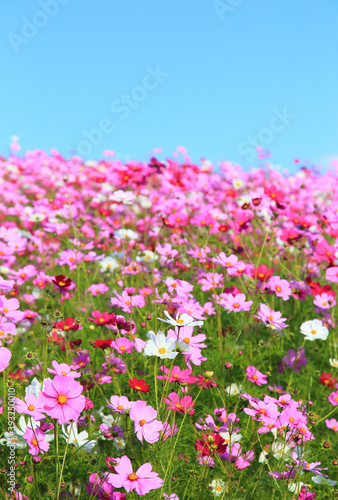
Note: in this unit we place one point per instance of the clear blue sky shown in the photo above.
(217, 77)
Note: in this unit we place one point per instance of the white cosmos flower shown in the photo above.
(217, 487)
(314, 329)
(161, 346)
(79, 440)
(123, 234)
(37, 217)
(323, 480)
(181, 320)
(124, 197)
(146, 256)
(109, 264)
(234, 437)
(334, 362)
(234, 389)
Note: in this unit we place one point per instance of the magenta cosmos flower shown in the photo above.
(256, 376)
(62, 399)
(143, 480)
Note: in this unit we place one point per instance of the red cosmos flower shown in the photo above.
(61, 281)
(68, 324)
(206, 381)
(138, 385)
(18, 375)
(223, 228)
(317, 289)
(328, 380)
(103, 344)
(102, 319)
(210, 444)
(261, 272)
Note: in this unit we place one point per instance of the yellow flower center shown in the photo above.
(5, 310)
(62, 399)
(236, 305)
(31, 408)
(122, 348)
(34, 442)
(313, 332)
(161, 350)
(128, 303)
(180, 321)
(278, 289)
(186, 340)
(178, 406)
(101, 320)
(132, 477)
(61, 283)
(142, 422)
(120, 407)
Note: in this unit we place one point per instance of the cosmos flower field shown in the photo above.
(167, 330)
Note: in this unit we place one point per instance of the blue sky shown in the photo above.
(218, 77)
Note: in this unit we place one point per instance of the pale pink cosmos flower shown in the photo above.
(6, 285)
(36, 441)
(236, 303)
(5, 356)
(143, 480)
(62, 398)
(181, 287)
(23, 274)
(99, 288)
(255, 376)
(272, 318)
(126, 301)
(71, 258)
(63, 369)
(280, 287)
(332, 274)
(332, 424)
(119, 404)
(9, 307)
(225, 261)
(324, 301)
(31, 406)
(145, 424)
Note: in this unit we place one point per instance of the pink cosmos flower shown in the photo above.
(122, 345)
(332, 274)
(126, 301)
(36, 441)
(195, 343)
(280, 287)
(119, 404)
(145, 424)
(225, 261)
(9, 307)
(143, 480)
(24, 274)
(99, 288)
(168, 431)
(332, 424)
(6, 285)
(71, 258)
(210, 281)
(272, 318)
(333, 398)
(31, 406)
(256, 376)
(181, 287)
(5, 356)
(63, 369)
(100, 488)
(237, 303)
(62, 399)
(324, 301)
(183, 405)
(178, 375)
(243, 461)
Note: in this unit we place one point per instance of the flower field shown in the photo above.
(167, 330)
